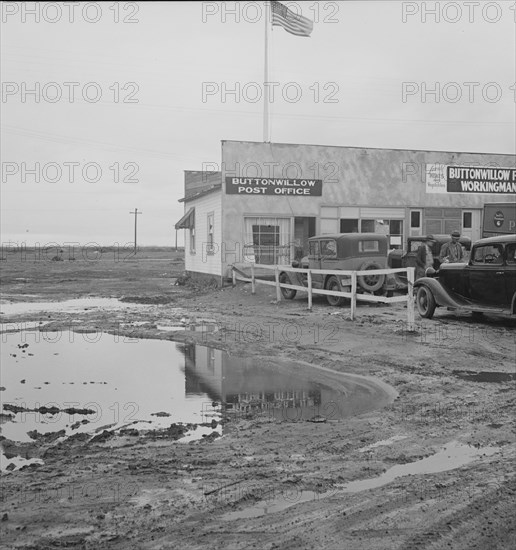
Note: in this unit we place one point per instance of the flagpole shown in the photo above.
(266, 78)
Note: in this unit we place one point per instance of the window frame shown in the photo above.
(210, 228)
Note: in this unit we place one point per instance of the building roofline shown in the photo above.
(371, 148)
(216, 187)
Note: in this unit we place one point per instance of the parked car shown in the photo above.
(485, 284)
(399, 258)
(346, 251)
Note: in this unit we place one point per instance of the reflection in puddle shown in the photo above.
(497, 377)
(245, 388)
(452, 456)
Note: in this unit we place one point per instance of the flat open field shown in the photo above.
(431, 468)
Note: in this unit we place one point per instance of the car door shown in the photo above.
(329, 258)
(510, 271)
(314, 262)
(487, 275)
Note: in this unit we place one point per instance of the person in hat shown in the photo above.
(452, 251)
(424, 257)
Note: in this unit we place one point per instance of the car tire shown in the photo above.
(370, 283)
(333, 284)
(287, 293)
(425, 302)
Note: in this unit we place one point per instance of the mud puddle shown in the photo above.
(492, 377)
(57, 384)
(83, 382)
(78, 304)
(453, 455)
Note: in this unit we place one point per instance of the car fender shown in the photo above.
(442, 298)
(294, 277)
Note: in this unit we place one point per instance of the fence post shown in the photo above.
(309, 290)
(278, 289)
(353, 294)
(411, 320)
(234, 277)
(253, 284)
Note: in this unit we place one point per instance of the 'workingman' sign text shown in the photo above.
(274, 186)
(442, 178)
(481, 180)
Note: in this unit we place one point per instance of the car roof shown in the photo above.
(498, 239)
(439, 237)
(351, 236)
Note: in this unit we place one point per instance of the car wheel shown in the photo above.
(333, 284)
(370, 283)
(288, 293)
(425, 302)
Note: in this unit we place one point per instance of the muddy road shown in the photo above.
(397, 440)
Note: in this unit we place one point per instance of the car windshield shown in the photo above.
(414, 245)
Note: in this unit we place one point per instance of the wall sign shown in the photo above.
(274, 186)
(442, 178)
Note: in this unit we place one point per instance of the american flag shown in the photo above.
(290, 21)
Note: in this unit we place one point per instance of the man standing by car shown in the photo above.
(452, 251)
(424, 257)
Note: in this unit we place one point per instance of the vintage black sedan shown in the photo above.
(486, 284)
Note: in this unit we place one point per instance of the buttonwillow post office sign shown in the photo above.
(274, 186)
(464, 179)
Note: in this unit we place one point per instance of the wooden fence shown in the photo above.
(353, 295)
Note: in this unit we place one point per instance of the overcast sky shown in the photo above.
(133, 117)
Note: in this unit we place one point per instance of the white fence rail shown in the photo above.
(353, 295)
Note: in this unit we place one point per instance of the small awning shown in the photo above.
(187, 221)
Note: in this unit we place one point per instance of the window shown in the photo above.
(314, 248)
(329, 249)
(192, 240)
(511, 254)
(268, 240)
(210, 249)
(367, 226)
(414, 245)
(467, 220)
(395, 233)
(415, 219)
(489, 254)
(368, 246)
(348, 226)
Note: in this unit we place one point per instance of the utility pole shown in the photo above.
(136, 213)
